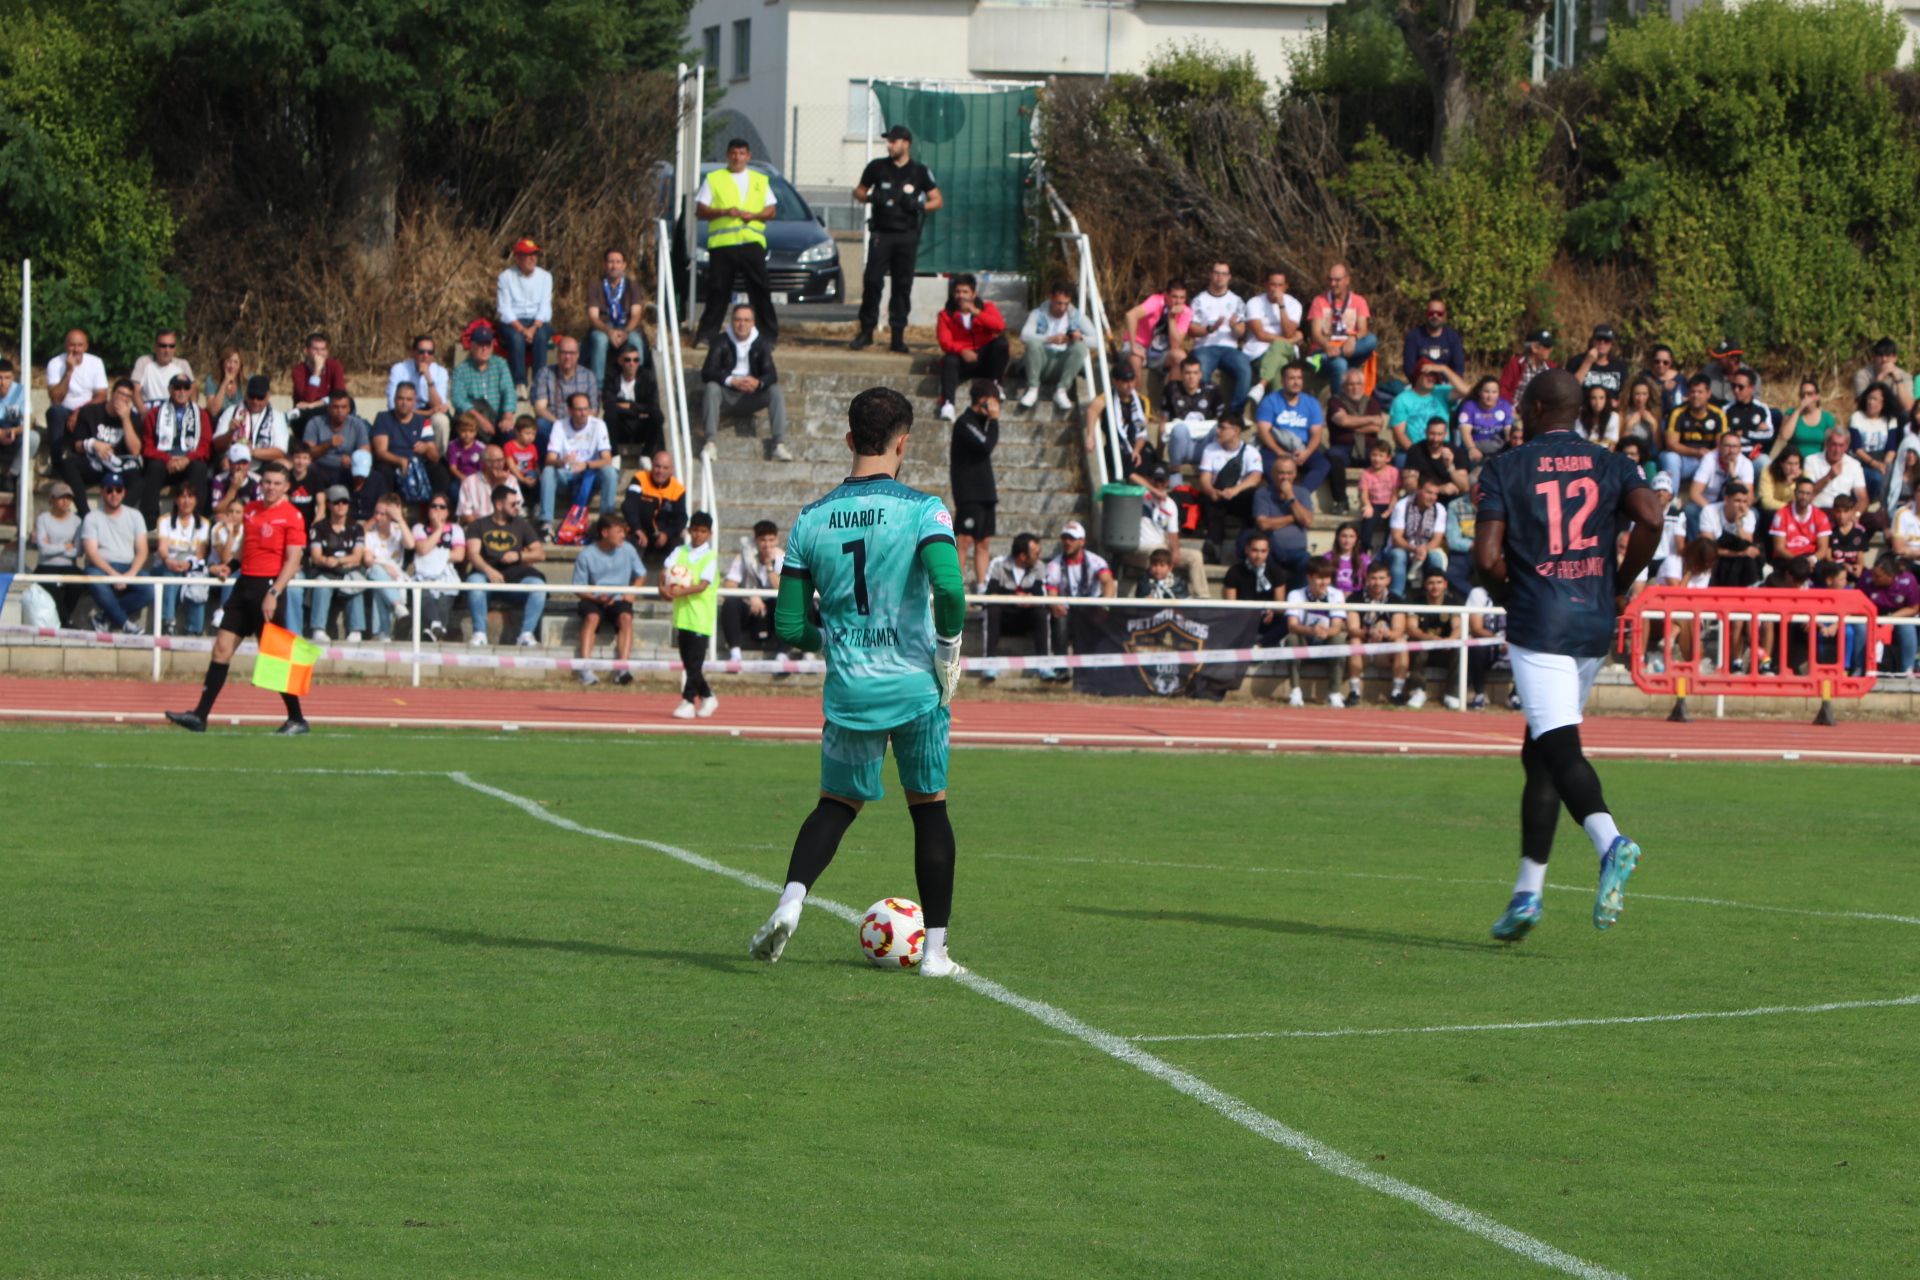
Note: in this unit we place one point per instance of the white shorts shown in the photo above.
(1553, 687)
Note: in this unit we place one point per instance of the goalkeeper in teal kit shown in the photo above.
(881, 558)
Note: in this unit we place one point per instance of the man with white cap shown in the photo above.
(1075, 573)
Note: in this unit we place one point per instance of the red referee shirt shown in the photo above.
(269, 531)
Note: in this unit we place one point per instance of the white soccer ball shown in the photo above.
(893, 933)
(680, 576)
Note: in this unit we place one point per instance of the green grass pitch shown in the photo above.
(264, 1023)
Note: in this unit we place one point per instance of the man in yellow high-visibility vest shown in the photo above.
(736, 203)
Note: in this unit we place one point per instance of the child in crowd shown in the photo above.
(464, 454)
(523, 455)
(1379, 490)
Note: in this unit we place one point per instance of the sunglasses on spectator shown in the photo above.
(423, 351)
(164, 346)
(1436, 315)
(441, 506)
(629, 359)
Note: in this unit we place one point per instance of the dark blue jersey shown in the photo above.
(1563, 502)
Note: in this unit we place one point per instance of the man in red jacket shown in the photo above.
(177, 433)
(973, 340)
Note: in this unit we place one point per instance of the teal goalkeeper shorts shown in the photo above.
(851, 759)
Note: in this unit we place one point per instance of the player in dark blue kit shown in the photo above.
(1549, 514)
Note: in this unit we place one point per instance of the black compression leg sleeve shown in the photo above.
(933, 860)
(1539, 805)
(216, 681)
(1573, 777)
(819, 840)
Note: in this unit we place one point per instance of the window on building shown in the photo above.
(711, 39)
(742, 48)
(863, 112)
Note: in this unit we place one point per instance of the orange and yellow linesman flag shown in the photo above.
(285, 664)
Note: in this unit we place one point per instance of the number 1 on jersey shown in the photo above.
(1574, 536)
(858, 550)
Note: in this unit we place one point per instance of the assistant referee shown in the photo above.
(271, 546)
(900, 192)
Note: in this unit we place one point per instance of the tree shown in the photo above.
(1466, 47)
(377, 71)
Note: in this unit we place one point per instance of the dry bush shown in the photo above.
(579, 177)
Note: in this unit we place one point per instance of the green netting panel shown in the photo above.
(979, 146)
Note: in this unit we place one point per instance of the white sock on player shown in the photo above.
(794, 892)
(936, 940)
(1399, 685)
(1602, 831)
(1533, 877)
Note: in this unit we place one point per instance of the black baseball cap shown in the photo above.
(899, 133)
(1541, 337)
(1604, 333)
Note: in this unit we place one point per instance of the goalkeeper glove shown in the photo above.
(946, 666)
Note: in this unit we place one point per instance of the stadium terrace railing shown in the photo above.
(667, 359)
(419, 654)
(23, 499)
(1108, 463)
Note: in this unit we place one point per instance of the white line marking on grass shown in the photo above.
(1116, 1047)
(1340, 1032)
(1385, 875)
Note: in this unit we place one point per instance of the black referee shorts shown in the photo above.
(975, 519)
(245, 613)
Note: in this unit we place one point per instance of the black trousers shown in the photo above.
(1240, 506)
(891, 256)
(155, 477)
(738, 266)
(1479, 663)
(992, 363)
(78, 474)
(738, 624)
(693, 655)
(639, 425)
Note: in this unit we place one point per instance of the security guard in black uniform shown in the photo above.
(901, 192)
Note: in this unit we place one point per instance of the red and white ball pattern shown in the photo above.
(893, 933)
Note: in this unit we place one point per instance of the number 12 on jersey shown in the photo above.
(1569, 535)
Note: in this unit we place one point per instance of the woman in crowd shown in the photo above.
(56, 536)
(1483, 420)
(1805, 430)
(1640, 415)
(226, 386)
(388, 541)
(1350, 560)
(1875, 432)
(1598, 422)
(438, 546)
(180, 551)
(1635, 448)
(1776, 486)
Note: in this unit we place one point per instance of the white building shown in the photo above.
(795, 72)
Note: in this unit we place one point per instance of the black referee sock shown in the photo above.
(293, 706)
(209, 692)
(1539, 804)
(933, 860)
(819, 840)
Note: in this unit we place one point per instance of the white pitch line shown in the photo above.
(1241, 1113)
(1342, 1032)
(1888, 917)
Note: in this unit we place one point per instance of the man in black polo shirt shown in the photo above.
(1756, 423)
(900, 192)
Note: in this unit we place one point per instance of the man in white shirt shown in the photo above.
(578, 446)
(1273, 332)
(1834, 471)
(523, 300)
(1160, 530)
(1417, 533)
(756, 567)
(1075, 573)
(1727, 463)
(430, 384)
(75, 378)
(1055, 342)
(1732, 514)
(1314, 621)
(1219, 322)
(255, 423)
(153, 374)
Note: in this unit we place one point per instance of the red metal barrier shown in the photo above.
(1773, 635)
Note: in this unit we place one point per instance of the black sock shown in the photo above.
(933, 860)
(1539, 805)
(819, 840)
(293, 706)
(216, 680)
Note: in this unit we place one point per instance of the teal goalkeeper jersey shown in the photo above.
(860, 547)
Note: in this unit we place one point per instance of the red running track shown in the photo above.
(1039, 722)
